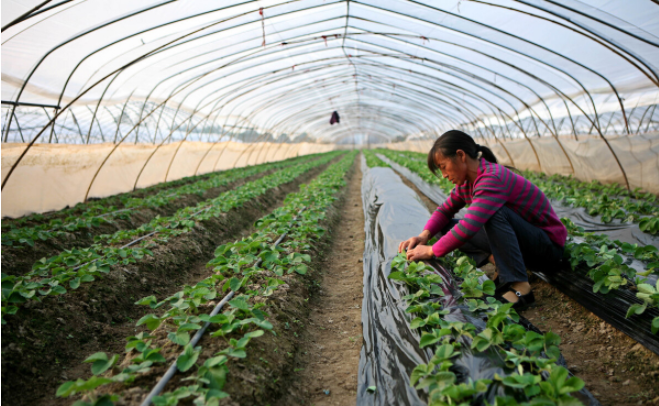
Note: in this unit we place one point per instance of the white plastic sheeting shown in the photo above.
(55, 176)
(590, 158)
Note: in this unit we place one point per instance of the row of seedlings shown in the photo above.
(645, 212)
(418, 166)
(612, 190)
(526, 361)
(248, 271)
(372, 160)
(97, 213)
(635, 206)
(74, 267)
(608, 264)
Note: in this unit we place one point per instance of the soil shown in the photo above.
(18, 260)
(616, 369)
(46, 341)
(328, 360)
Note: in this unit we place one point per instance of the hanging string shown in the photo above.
(262, 25)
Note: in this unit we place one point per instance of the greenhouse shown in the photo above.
(330, 202)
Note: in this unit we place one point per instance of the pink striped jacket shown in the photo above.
(495, 186)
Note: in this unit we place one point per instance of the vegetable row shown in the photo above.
(372, 160)
(532, 375)
(77, 266)
(233, 269)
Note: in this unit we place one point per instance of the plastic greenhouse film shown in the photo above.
(432, 192)
(625, 232)
(390, 350)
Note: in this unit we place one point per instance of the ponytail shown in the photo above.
(486, 153)
(451, 141)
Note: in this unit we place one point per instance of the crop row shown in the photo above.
(606, 262)
(77, 266)
(611, 190)
(97, 214)
(254, 265)
(594, 199)
(372, 160)
(532, 374)
(600, 204)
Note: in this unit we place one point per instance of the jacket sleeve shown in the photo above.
(490, 194)
(445, 213)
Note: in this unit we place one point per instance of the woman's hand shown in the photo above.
(419, 253)
(414, 241)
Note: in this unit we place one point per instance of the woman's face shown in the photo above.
(454, 169)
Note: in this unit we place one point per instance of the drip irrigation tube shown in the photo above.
(172, 368)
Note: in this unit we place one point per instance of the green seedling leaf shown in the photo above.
(152, 321)
(74, 283)
(239, 303)
(101, 363)
(180, 337)
(235, 284)
(71, 388)
(186, 360)
(150, 301)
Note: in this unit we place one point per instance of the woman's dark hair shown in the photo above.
(451, 141)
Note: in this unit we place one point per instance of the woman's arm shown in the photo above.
(416, 246)
(490, 194)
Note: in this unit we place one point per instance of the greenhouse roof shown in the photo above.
(161, 71)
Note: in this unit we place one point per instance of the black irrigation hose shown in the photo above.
(172, 369)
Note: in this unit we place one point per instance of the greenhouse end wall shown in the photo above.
(590, 158)
(53, 176)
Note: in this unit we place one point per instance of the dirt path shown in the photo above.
(616, 369)
(329, 359)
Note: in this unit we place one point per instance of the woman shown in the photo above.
(509, 223)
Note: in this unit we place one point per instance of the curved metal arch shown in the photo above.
(529, 108)
(43, 58)
(503, 46)
(595, 36)
(600, 21)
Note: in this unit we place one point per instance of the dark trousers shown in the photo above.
(515, 244)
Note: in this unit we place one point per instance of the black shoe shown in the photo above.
(523, 301)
